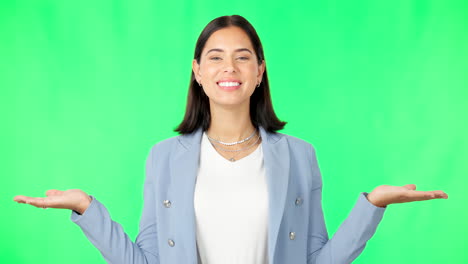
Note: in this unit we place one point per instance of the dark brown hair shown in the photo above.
(197, 112)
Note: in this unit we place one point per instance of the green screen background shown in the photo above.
(378, 87)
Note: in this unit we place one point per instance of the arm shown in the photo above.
(350, 238)
(109, 237)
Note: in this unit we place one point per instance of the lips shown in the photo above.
(229, 84)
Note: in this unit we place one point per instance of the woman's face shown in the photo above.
(228, 71)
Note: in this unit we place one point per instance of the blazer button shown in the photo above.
(292, 235)
(171, 242)
(167, 203)
(298, 201)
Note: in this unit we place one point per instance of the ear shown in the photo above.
(261, 70)
(196, 70)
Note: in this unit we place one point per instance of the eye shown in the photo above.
(215, 58)
(243, 58)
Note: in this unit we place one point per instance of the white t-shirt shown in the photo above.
(231, 208)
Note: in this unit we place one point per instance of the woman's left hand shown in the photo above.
(384, 195)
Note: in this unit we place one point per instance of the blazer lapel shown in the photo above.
(276, 162)
(184, 165)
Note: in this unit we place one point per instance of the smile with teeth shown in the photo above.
(229, 84)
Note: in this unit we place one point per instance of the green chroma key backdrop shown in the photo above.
(378, 87)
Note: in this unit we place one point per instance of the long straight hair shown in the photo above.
(197, 112)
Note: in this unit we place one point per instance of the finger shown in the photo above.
(42, 203)
(425, 195)
(416, 196)
(20, 198)
(35, 201)
(410, 186)
(440, 194)
(432, 194)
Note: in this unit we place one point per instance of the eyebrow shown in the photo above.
(237, 50)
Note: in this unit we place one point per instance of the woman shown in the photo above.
(230, 189)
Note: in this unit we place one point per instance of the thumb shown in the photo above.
(53, 192)
(410, 187)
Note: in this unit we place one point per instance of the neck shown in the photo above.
(230, 123)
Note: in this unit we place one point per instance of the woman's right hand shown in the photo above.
(74, 199)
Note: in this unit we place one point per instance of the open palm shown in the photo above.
(384, 195)
(74, 199)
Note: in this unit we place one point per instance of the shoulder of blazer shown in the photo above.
(303, 149)
(164, 147)
(297, 144)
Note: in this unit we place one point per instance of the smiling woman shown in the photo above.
(230, 188)
(230, 69)
(229, 57)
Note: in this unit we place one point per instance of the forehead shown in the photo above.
(229, 38)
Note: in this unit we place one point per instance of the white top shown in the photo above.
(231, 208)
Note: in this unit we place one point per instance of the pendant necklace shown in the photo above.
(237, 151)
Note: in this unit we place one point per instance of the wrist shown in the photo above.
(372, 199)
(84, 205)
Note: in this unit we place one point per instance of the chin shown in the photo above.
(229, 102)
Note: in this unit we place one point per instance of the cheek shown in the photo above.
(209, 72)
(251, 72)
(212, 70)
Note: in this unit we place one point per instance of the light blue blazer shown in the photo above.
(296, 227)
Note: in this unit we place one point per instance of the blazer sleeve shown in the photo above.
(109, 237)
(350, 238)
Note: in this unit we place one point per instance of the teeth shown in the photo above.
(228, 84)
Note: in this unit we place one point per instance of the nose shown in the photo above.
(229, 65)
